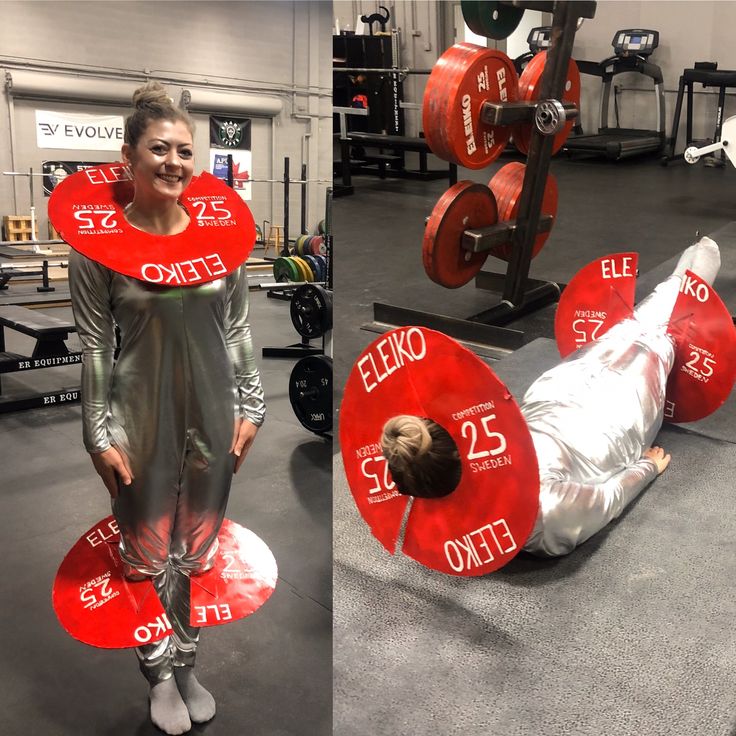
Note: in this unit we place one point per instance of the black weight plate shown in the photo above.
(310, 393)
(311, 311)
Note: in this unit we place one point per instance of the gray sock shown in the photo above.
(702, 258)
(199, 702)
(168, 711)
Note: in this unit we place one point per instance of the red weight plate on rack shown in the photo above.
(241, 581)
(96, 604)
(87, 210)
(464, 206)
(485, 521)
(529, 90)
(509, 184)
(599, 295)
(704, 371)
(463, 78)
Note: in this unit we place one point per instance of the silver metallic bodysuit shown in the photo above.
(185, 371)
(592, 417)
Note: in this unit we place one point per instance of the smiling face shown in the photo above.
(162, 161)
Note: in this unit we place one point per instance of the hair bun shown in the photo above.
(405, 438)
(151, 94)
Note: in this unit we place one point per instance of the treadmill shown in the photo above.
(632, 49)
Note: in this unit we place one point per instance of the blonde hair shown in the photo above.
(421, 455)
(152, 102)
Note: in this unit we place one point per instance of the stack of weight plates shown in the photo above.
(300, 268)
(313, 245)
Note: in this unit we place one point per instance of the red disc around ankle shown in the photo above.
(597, 297)
(96, 604)
(704, 371)
(241, 581)
(87, 209)
(485, 521)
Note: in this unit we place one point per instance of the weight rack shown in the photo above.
(520, 294)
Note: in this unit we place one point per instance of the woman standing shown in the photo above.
(172, 419)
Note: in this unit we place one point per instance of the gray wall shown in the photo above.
(280, 49)
(690, 30)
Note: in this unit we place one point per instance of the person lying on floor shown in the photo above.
(592, 418)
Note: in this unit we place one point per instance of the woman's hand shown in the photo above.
(110, 465)
(243, 436)
(657, 455)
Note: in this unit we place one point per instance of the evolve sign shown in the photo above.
(79, 131)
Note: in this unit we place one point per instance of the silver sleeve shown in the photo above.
(250, 400)
(89, 284)
(572, 512)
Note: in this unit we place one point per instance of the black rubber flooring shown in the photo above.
(271, 673)
(631, 633)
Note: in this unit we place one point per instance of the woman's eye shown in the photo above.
(186, 153)
(158, 149)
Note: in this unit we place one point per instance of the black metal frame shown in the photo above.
(722, 79)
(519, 294)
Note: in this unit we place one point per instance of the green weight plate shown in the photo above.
(282, 270)
(491, 19)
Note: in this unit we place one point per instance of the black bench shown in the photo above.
(397, 144)
(8, 273)
(49, 351)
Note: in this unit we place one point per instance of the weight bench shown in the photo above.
(50, 351)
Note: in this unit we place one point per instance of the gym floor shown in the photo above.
(630, 633)
(270, 673)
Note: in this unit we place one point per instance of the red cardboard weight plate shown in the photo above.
(98, 606)
(87, 209)
(485, 521)
(241, 581)
(599, 296)
(704, 371)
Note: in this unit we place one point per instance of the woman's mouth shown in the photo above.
(170, 178)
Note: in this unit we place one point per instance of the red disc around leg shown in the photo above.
(96, 604)
(463, 78)
(529, 90)
(241, 581)
(463, 206)
(506, 185)
(485, 521)
(599, 295)
(87, 209)
(704, 371)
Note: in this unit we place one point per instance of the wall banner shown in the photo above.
(54, 172)
(79, 131)
(230, 133)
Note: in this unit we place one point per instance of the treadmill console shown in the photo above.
(635, 42)
(539, 38)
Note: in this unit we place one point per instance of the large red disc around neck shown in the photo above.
(704, 370)
(87, 209)
(486, 520)
(600, 295)
(97, 605)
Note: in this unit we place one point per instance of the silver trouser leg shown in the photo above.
(168, 531)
